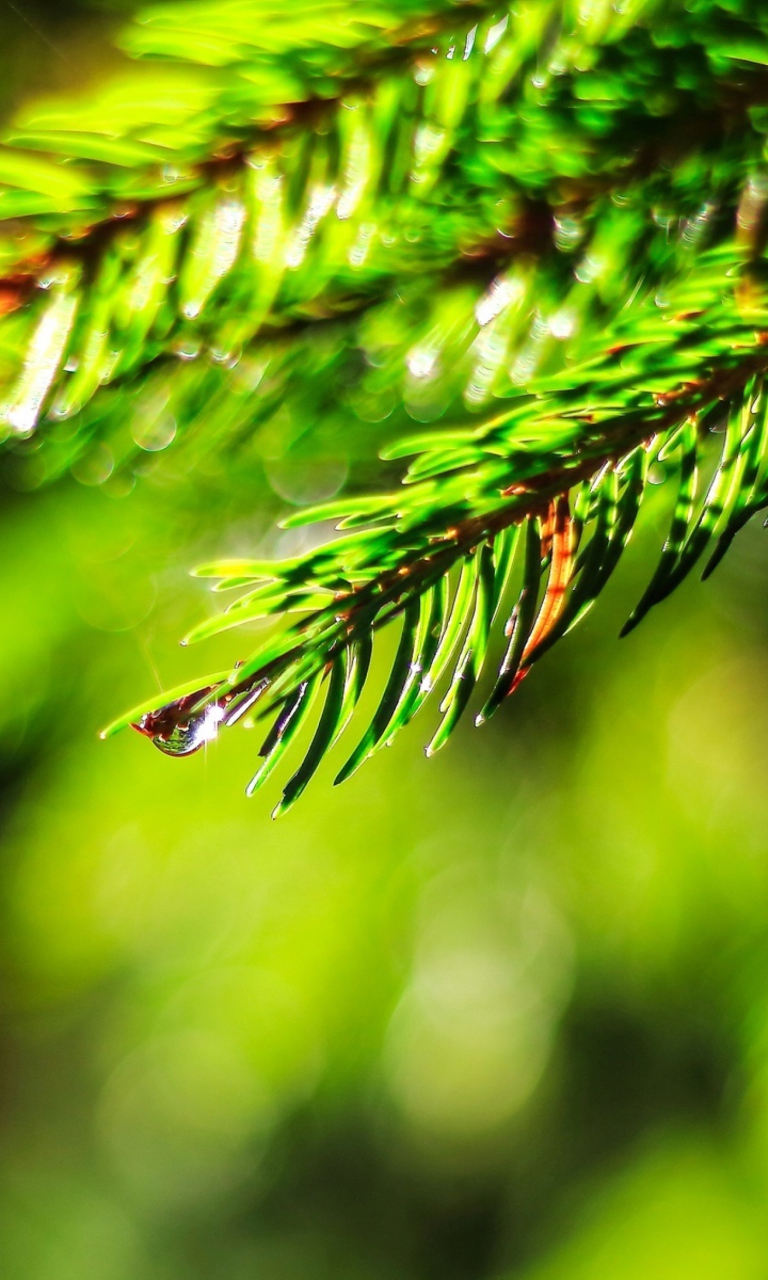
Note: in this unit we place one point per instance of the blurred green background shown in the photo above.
(502, 1015)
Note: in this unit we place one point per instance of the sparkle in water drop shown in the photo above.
(177, 729)
(181, 727)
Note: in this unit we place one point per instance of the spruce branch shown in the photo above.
(545, 224)
(197, 232)
(580, 473)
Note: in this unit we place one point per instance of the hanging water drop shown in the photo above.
(181, 727)
(177, 729)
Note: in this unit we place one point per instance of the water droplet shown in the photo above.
(181, 727)
(177, 729)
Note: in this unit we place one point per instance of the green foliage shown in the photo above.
(544, 223)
